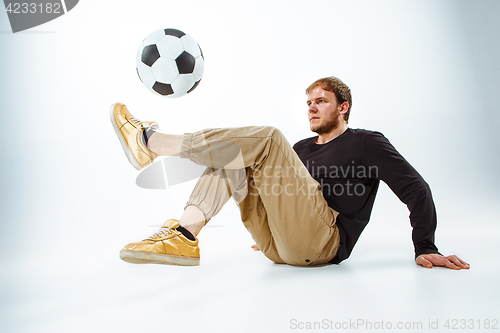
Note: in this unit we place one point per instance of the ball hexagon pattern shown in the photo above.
(170, 63)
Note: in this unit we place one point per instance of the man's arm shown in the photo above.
(412, 190)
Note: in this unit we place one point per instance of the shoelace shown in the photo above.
(162, 231)
(136, 121)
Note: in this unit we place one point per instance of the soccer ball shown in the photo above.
(170, 63)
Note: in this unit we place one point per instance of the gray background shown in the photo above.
(424, 73)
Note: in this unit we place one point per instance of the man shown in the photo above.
(305, 205)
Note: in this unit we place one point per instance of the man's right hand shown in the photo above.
(434, 259)
(255, 247)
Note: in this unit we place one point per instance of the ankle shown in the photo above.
(165, 144)
(151, 143)
(188, 234)
(195, 228)
(146, 137)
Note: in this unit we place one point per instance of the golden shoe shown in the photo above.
(130, 133)
(168, 246)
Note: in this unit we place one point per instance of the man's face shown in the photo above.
(323, 110)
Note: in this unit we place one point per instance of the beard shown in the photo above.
(330, 124)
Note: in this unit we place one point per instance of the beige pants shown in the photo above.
(281, 205)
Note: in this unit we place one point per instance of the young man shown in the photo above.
(305, 205)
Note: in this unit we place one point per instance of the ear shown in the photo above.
(343, 108)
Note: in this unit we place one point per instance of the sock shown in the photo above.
(146, 134)
(186, 233)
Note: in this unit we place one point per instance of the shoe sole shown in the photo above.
(138, 257)
(124, 143)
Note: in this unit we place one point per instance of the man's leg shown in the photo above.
(283, 207)
(193, 219)
(214, 188)
(173, 243)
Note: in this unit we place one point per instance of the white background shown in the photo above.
(424, 73)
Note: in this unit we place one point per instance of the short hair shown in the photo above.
(336, 86)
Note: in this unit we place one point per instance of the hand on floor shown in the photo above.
(434, 259)
(255, 247)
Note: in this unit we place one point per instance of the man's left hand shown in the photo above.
(434, 259)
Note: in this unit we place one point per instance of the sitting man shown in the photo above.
(303, 206)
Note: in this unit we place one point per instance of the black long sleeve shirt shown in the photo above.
(349, 169)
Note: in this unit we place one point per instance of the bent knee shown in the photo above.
(274, 132)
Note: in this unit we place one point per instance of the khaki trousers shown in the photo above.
(281, 205)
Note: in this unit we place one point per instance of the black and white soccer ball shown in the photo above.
(170, 63)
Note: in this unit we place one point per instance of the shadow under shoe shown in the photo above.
(168, 246)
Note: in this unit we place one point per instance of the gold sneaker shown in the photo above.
(130, 133)
(168, 246)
